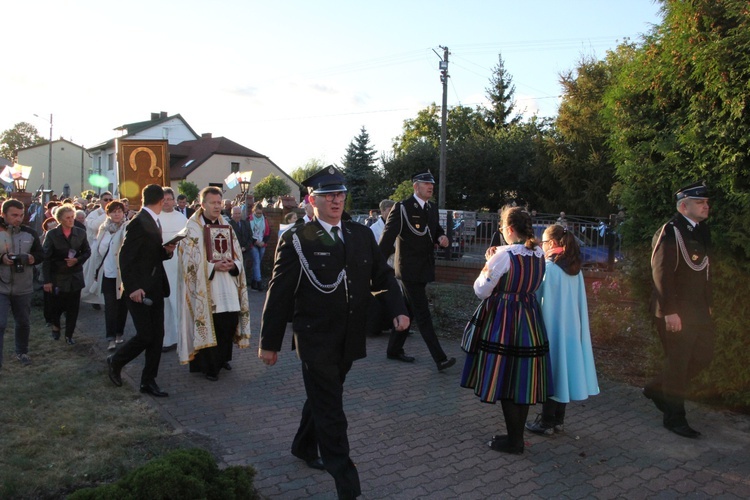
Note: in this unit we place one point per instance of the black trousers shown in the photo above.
(68, 303)
(416, 295)
(149, 336)
(211, 359)
(115, 310)
(687, 353)
(323, 425)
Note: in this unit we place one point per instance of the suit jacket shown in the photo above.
(415, 254)
(244, 234)
(328, 327)
(141, 258)
(680, 271)
(56, 248)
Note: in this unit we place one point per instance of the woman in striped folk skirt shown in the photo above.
(508, 352)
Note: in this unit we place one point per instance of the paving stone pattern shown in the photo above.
(414, 433)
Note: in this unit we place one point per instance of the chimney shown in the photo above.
(206, 135)
(154, 116)
(163, 114)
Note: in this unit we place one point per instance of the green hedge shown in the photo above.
(182, 474)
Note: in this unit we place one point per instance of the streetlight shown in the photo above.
(49, 167)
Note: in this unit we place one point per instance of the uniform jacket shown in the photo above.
(56, 250)
(328, 327)
(23, 241)
(141, 258)
(680, 271)
(415, 253)
(244, 234)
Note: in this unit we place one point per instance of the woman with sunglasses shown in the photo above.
(507, 356)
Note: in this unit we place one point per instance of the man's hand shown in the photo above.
(673, 322)
(31, 259)
(443, 241)
(401, 323)
(170, 248)
(6, 260)
(224, 266)
(138, 295)
(71, 262)
(48, 287)
(269, 357)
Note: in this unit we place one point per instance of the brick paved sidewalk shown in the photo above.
(414, 433)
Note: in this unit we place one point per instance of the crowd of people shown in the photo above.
(183, 277)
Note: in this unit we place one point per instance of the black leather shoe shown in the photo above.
(316, 463)
(70, 341)
(401, 357)
(153, 389)
(227, 366)
(656, 397)
(212, 378)
(114, 373)
(55, 334)
(446, 363)
(504, 446)
(169, 348)
(683, 430)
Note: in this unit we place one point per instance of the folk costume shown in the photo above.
(682, 285)
(213, 308)
(509, 356)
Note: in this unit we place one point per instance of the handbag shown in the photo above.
(470, 338)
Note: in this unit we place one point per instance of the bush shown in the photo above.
(182, 474)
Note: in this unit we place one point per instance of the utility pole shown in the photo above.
(49, 167)
(443, 127)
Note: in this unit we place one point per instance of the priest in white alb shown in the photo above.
(172, 222)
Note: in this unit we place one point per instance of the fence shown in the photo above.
(472, 232)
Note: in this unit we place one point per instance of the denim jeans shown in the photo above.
(257, 257)
(20, 306)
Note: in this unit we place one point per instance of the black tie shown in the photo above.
(336, 238)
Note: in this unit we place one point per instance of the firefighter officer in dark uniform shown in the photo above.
(681, 304)
(323, 278)
(413, 226)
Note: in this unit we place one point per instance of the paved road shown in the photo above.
(415, 433)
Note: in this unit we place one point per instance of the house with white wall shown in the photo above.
(211, 159)
(174, 129)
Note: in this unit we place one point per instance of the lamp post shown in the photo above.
(20, 175)
(49, 165)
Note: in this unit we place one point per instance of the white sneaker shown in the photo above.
(112, 345)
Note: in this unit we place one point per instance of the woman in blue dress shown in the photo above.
(507, 349)
(563, 300)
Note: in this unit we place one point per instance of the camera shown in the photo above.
(19, 262)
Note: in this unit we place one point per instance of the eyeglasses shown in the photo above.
(106, 200)
(329, 197)
(545, 241)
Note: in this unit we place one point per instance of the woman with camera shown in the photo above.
(65, 251)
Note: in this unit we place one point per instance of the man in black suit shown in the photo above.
(681, 304)
(182, 206)
(244, 234)
(324, 273)
(413, 226)
(145, 286)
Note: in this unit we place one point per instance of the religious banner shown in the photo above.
(140, 163)
(219, 244)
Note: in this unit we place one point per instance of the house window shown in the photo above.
(235, 167)
(111, 161)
